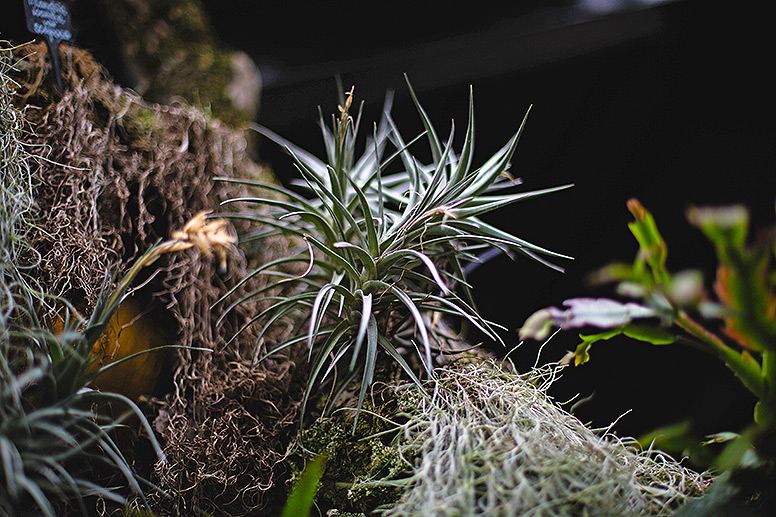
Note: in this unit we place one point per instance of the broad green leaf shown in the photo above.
(742, 285)
(582, 353)
(736, 449)
(742, 277)
(679, 440)
(651, 334)
(651, 243)
(746, 369)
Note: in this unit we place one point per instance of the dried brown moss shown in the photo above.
(118, 174)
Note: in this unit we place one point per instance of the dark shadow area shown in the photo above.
(668, 103)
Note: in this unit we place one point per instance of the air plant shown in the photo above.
(385, 240)
(57, 435)
(72, 351)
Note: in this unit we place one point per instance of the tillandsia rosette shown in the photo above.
(385, 241)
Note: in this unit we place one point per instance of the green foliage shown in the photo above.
(671, 306)
(385, 239)
(59, 438)
(363, 468)
(57, 434)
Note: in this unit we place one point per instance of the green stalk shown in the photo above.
(765, 411)
(750, 373)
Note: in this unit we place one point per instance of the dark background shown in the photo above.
(669, 102)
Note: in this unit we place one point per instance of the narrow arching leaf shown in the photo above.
(497, 164)
(363, 255)
(484, 206)
(369, 222)
(364, 322)
(438, 181)
(467, 152)
(325, 350)
(320, 304)
(395, 255)
(420, 324)
(393, 237)
(391, 350)
(300, 154)
(369, 366)
(433, 140)
(338, 259)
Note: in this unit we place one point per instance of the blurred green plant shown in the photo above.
(384, 251)
(302, 497)
(738, 327)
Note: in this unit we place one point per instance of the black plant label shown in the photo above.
(50, 19)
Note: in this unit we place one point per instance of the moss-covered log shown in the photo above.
(170, 52)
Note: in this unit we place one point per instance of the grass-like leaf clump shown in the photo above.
(63, 443)
(58, 444)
